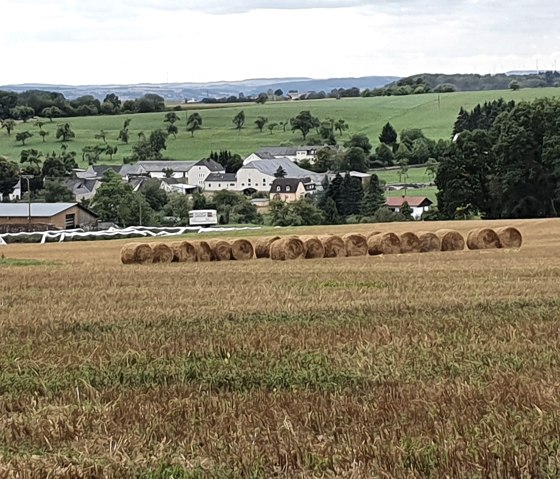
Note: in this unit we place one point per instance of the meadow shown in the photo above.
(419, 366)
(433, 113)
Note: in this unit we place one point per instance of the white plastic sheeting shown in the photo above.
(111, 233)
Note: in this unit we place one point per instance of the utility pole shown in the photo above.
(28, 177)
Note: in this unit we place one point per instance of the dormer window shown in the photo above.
(278, 188)
(287, 187)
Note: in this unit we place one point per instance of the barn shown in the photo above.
(15, 217)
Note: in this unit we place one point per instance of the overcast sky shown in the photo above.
(137, 41)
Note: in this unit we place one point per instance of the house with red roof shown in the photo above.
(419, 204)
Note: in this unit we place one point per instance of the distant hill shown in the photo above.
(434, 82)
(197, 91)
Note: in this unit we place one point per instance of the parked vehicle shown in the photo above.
(203, 217)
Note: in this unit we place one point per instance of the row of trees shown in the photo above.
(505, 168)
(439, 83)
(26, 105)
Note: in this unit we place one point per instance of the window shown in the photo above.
(278, 188)
(288, 188)
(70, 221)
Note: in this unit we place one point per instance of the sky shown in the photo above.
(79, 42)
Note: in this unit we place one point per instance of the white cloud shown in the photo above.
(133, 41)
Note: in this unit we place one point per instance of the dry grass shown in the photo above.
(427, 365)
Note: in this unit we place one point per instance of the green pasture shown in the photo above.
(414, 175)
(433, 113)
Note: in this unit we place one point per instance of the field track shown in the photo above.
(420, 365)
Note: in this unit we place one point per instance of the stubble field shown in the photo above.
(423, 365)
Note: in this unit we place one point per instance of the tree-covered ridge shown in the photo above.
(509, 170)
(25, 105)
(440, 83)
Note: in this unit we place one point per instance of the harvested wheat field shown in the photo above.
(441, 364)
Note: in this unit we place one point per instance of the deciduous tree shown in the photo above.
(304, 122)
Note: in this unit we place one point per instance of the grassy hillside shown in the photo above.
(433, 113)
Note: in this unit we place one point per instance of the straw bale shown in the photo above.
(288, 248)
(183, 251)
(132, 253)
(429, 242)
(510, 237)
(334, 246)
(356, 244)
(221, 250)
(451, 240)
(162, 253)
(203, 250)
(384, 243)
(242, 249)
(313, 247)
(410, 243)
(262, 246)
(483, 238)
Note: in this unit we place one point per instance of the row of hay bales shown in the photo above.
(327, 246)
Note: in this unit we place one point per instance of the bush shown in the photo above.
(385, 215)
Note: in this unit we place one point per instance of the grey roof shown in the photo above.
(38, 210)
(269, 167)
(134, 169)
(177, 166)
(221, 177)
(211, 165)
(265, 155)
(286, 150)
(293, 183)
(101, 169)
(284, 183)
(80, 185)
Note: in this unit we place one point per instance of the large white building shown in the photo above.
(257, 176)
(294, 153)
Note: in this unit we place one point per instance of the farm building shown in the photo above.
(14, 217)
(419, 204)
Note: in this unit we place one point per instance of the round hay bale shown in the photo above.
(510, 237)
(410, 243)
(262, 246)
(483, 238)
(384, 243)
(313, 247)
(429, 242)
(183, 251)
(203, 250)
(221, 250)
(356, 244)
(136, 253)
(162, 253)
(373, 233)
(334, 246)
(451, 240)
(287, 249)
(242, 249)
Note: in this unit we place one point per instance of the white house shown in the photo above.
(160, 169)
(291, 189)
(419, 204)
(198, 173)
(16, 194)
(259, 175)
(220, 181)
(83, 188)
